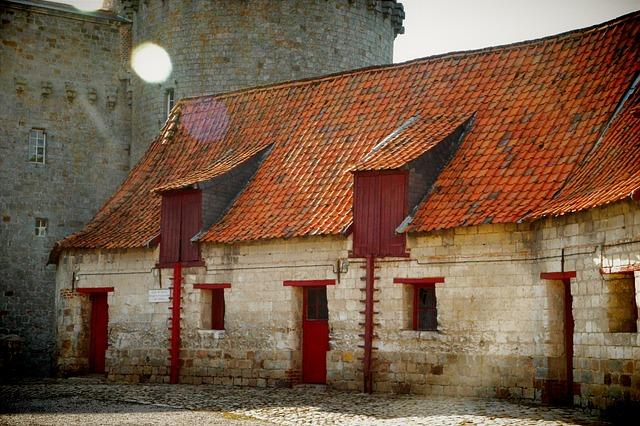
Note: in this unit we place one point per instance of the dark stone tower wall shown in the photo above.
(223, 45)
(60, 71)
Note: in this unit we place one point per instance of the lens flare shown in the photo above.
(151, 62)
(86, 5)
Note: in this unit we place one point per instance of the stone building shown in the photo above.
(75, 119)
(465, 224)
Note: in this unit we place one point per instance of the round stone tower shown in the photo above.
(222, 45)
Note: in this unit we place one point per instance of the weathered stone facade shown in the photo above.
(500, 326)
(68, 73)
(61, 73)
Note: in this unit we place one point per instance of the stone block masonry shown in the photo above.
(500, 325)
(60, 72)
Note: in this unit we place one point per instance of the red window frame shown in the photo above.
(218, 306)
(217, 309)
(418, 284)
(417, 309)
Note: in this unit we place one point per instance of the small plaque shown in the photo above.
(161, 295)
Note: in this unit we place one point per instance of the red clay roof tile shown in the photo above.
(540, 107)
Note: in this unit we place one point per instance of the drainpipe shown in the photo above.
(368, 324)
(174, 351)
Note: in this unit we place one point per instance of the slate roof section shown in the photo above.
(539, 106)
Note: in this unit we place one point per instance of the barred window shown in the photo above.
(41, 226)
(37, 146)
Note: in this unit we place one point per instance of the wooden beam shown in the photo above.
(308, 283)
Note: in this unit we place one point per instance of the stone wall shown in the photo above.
(223, 45)
(500, 326)
(606, 361)
(60, 72)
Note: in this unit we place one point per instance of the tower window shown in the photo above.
(37, 146)
(41, 227)
(169, 102)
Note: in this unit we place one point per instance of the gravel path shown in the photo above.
(88, 402)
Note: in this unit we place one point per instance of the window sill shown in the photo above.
(211, 334)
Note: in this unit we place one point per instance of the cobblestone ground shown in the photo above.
(76, 401)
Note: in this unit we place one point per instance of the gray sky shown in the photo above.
(439, 26)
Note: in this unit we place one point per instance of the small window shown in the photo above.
(41, 227)
(37, 146)
(169, 101)
(217, 309)
(425, 313)
(622, 309)
(317, 303)
(213, 307)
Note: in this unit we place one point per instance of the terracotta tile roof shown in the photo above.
(539, 109)
(610, 173)
(412, 139)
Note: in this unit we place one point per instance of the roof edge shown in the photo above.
(439, 56)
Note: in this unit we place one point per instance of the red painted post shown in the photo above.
(174, 376)
(368, 325)
(568, 337)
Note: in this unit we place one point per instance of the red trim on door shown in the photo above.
(315, 336)
(308, 283)
(557, 275)
(98, 338)
(213, 286)
(89, 290)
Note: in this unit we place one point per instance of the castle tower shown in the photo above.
(223, 45)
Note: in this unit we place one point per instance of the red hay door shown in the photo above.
(315, 335)
(98, 334)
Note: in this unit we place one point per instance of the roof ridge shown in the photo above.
(447, 55)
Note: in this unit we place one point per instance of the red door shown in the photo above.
(315, 335)
(98, 333)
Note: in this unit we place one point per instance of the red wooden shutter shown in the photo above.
(170, 219)
(217, 309)
(191, 222)
(366, 214)
(379, 207)
(393, 206)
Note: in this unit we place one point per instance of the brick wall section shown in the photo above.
(500, 330)
(59, 72)
(229, 44)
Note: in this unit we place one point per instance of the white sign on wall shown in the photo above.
(161, 295)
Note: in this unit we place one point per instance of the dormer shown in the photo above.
(180, 221)
(192, 204)
(395, 176)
